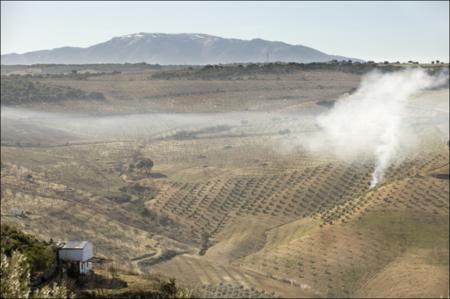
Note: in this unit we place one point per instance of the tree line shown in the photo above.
(15, 91)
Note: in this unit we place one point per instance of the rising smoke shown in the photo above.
(369, 121)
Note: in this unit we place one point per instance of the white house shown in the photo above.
(80, 252)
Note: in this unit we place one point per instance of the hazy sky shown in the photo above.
(367, 30)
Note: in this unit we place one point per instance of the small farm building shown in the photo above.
(80, 252)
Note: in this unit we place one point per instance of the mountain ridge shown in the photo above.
(178, 48)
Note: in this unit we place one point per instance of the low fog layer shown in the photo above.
(151, 126)
(383, 120)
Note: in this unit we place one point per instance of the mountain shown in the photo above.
(160, 48)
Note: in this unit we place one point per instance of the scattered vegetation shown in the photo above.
(253, 70)
(405, 229)
(153, 288)
(204, 243)
(16, 91)
(71, 70)
(15, 282)
(233, 291)
(38, 254)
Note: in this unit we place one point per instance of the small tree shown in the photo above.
(204, 242)
(15, 282)
(145, 163)
(15, 273)
(168, 288)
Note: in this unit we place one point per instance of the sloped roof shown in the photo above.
(75, 244)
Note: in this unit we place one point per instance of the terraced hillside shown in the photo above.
(332, 240)
(339, 254)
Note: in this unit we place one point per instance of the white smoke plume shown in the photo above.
(369, 121)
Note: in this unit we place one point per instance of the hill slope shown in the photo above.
(159, 48)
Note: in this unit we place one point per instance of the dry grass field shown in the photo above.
(233, 211)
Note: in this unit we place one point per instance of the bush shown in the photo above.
(168, 288)
(16, 91)
(204, 243)
(39, 255)
(15, 282)
(144, 163)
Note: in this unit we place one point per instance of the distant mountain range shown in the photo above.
(160, 48)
